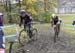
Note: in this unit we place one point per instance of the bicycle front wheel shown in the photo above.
(23, 37)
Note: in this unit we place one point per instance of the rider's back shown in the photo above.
(55, 20)
(26, 18)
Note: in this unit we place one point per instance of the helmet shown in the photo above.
(1, 14)
(53, 15)
(22, 11)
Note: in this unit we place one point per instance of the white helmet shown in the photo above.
(22, 11)
(1, 13)
(53, 15)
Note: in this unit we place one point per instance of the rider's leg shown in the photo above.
(25, 27)
(55, 34)
(2, 39)
(58, 30)
(30, 30)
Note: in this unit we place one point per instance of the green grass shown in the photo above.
(68, 19)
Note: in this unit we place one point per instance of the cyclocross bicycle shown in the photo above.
(24, 35)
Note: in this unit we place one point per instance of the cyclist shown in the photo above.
(73, 22)
(2, 39)
(27, 21)
(56, 22)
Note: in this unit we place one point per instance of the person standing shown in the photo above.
(2, 39)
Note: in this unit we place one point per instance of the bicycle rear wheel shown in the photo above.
(23, 37)
(35, 34)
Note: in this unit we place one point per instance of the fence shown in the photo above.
(10, 32)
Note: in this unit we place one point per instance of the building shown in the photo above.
(65, 7)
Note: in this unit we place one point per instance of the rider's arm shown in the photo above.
(51, 21)
(30, 18)
(21, 21)
(60, 20)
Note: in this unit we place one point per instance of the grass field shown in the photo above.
(68, 19)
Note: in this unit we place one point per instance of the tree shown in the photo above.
(39, 9)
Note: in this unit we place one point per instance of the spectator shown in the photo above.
(2, 39)
(73, 23)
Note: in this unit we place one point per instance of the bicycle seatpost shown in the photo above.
(10, 48)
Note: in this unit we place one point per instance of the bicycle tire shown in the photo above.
(35, 33)
(23, 38)
(55, 35)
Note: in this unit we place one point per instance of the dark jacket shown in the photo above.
(1, 21)
(26, 19)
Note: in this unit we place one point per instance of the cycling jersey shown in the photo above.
(56, 21)
(27, 23)
(26, 19)
(1, 21)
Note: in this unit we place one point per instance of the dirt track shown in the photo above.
(45, 43)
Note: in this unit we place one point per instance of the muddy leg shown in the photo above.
(55, 35)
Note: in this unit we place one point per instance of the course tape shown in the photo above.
(10, 26)
(71, 27)
(15, 26)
